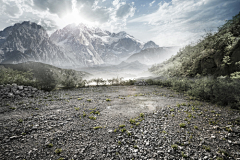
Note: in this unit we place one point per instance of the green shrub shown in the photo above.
(182, 125)
(122, 126)
(97, 127)
(58, 151)
(174, 146)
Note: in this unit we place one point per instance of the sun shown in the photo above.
(75, 18)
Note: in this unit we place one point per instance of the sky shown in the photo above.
(166, 22)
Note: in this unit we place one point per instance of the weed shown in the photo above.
(171, 110)
(122, 126)
(228, 129)
(89, 100)
(132, 121)
(95, 112)
(211, 122)
(58, 151)
(142, 115)
(97, 127)
(174, 146)
(123, 130)
(12, 108)
(196, 127)
(137, 123)
(189, 115)
(164, 132)
(115, 130)
(76, 108)
(119, 142)
(49, 145)
(79, 99)
(173, 115)
(183, 104)
(223, 152)
(108, 99)
(207, 148)
(129, 133)
(182, 125)
(191, 137)
(92, 117)
(135, 146)
(184, 155)
(20, 120)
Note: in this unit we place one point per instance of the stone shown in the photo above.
(10, 95)
(20, 87)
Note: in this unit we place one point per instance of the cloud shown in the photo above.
(59, 7)
(125, 11)
(185, 20)
(11, 8)
(150, 4)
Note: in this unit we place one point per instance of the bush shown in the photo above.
(9, 76)
(46, 80)
(222, 90)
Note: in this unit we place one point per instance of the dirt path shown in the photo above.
(60, 124)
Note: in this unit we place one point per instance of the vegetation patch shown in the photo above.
(58, 151)
(182, 125)
(97, 127)
(174, 146)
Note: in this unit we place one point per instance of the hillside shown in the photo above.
(45, 76)
(216, 54)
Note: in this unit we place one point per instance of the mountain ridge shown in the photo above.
(72, 46)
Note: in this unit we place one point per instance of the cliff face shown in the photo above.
(94, 46)
(30, 42)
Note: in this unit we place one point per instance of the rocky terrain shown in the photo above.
(14, 91)
(116, 122)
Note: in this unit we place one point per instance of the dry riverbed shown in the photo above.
(117, 122)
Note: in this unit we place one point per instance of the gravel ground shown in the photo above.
(117, 122)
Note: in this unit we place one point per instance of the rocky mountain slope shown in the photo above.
(93, 46)
(72, 46)
(150, 56)
(30, 42)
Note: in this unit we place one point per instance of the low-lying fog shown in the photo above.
(134, 67)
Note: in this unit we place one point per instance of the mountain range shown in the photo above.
(73, 46)
(154, 55)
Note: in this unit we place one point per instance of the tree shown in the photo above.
(70, 79)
